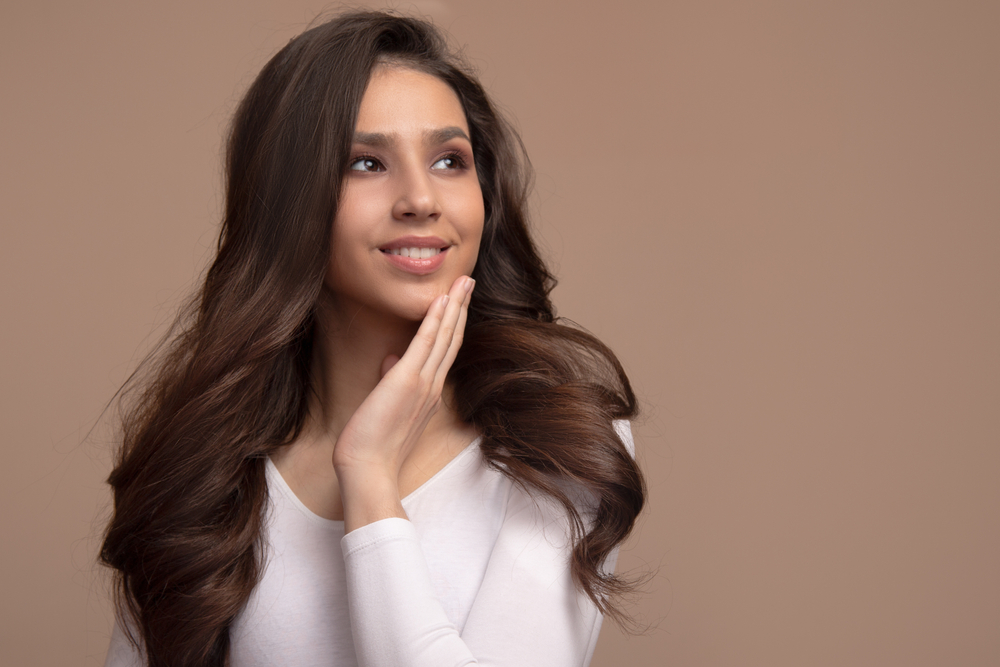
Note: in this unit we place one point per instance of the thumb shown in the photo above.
(387, 365)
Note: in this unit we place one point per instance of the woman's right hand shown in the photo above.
(388, 423)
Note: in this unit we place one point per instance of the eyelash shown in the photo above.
(459, 161)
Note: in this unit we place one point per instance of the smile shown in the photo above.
(415, 253)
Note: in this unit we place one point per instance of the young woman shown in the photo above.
(372, 443)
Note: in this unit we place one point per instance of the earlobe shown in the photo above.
(387, 365)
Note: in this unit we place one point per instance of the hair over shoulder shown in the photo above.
(231, 386)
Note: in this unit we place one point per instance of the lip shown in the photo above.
(420, 267)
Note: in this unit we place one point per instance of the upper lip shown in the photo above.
(415, 242)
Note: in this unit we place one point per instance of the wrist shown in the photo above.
(369, 494)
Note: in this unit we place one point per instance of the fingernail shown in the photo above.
(444, 301)
(469, 283)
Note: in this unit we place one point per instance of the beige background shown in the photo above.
(784, 216)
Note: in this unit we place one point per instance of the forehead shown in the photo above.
(403, 101)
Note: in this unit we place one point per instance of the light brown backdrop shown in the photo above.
(784, 216)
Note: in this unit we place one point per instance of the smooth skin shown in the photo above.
(384, 430)
(379, 422)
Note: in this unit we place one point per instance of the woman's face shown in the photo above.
(411, 212)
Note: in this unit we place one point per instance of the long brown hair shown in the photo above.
(185, 539)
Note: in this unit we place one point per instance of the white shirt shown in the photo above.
(479, 574)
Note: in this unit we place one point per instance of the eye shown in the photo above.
(366, 164)
(453, 161)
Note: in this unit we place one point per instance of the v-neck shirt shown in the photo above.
(479, 574)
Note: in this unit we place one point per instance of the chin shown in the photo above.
(389, 299)
(410, 314)
(415, 306)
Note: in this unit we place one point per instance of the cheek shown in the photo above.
(356, 209)
(356, 216)
(474, 213)
(347, 250)
(474, 245)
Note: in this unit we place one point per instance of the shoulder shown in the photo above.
(529, 510)
(623, 428)
(121, 651)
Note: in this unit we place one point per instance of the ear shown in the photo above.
(387, 365)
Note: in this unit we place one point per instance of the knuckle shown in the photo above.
(422, 385)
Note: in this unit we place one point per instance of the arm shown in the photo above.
(528, 611)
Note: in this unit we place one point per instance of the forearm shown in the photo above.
(527, 611)
(396, 618)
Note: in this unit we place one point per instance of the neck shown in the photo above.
(350, 344)
(349, 347)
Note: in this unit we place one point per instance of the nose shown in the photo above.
(416, 198)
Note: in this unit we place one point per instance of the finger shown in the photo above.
(456, 339)
(423, 342)
(449, 322)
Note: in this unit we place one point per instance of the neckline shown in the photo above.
(273, 472)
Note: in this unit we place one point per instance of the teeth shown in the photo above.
(416, 253)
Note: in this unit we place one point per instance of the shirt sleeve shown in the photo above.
(528, 611)
(121, 652)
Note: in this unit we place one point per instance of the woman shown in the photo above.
(372, 443)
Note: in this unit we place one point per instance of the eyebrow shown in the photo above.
(439, 136)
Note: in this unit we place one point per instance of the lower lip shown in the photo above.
(420, 267)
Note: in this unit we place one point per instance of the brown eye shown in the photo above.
(449, 162)
(366, 164)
